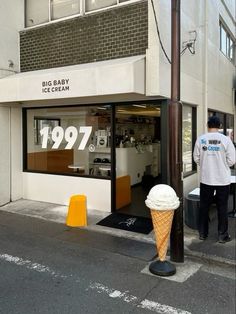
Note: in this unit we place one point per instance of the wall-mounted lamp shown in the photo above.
(190, 44)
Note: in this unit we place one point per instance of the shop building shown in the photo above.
(84, 93)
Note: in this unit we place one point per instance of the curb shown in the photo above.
(207, 258)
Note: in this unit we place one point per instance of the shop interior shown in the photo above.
(137, 156)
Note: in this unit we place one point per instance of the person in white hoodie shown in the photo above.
(215, 154)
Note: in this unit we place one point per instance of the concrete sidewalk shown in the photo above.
(209, 250)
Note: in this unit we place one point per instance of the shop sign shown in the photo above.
(54, 86)
(70, 135)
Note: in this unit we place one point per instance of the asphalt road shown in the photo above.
(47, 268)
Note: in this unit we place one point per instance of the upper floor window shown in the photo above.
(62, 8)
(43, 11)
(226, 42)
(91, 5)
(36, 12)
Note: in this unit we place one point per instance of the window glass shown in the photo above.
(231, 49)
(187, 139)
(223, 41)
(36, 12)
(62, 8)
(227, 123)
(72, 140)
(91, 5)
(221, 116)
(226, 43)
(137, 138)
(230, 126)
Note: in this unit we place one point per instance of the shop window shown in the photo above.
(137, 138)
(39, 124)
(71, 140)
(189, 138)
(227, 45)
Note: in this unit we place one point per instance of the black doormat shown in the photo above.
(127, 222)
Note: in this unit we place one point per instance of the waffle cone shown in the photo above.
(162, 221)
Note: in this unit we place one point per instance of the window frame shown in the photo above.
(81, 13)
(229, 38)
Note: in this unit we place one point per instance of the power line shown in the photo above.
(158, 33)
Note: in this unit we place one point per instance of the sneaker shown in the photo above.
(224, 239)
(202, 237)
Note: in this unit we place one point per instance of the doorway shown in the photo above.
(5, 155)
(138, 156)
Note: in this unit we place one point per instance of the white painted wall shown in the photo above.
(207, 76)
(220, 70)
(11, 21)
(5, 155)
(58, 189)
(16, 154)
(111, 77)
(206, 80)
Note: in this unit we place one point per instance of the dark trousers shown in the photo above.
(221, 199)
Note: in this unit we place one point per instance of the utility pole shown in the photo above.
(175, 137)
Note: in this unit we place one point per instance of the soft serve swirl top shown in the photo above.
(162, 197)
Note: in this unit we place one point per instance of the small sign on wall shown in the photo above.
(55, 86)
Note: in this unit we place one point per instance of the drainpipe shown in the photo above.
(205, 71)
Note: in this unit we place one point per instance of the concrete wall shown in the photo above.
(203, 17)
(5, 155)
(206, 76)
(11, 22)
(59, 189)
(16, 154)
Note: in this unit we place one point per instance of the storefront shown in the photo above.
(87, 129)
(106, 151)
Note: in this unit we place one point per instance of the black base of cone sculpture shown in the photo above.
(162, 268)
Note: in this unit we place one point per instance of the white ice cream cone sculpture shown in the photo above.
(162, 201)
